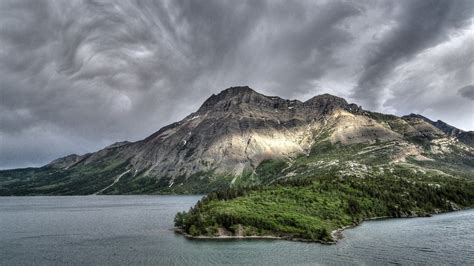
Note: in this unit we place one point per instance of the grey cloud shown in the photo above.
(288, 48)
(77, 75)
(419, 25)
(309, 49)
(467, 92)
(428, 83)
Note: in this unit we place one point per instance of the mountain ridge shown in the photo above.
(229, 137)
(467, 137)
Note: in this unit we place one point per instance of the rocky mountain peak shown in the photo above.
(233, 98)
(441, 125)
(243, 97)
(326, 103)
(241, 90)
(326, 100)
(232, 92)
(239, 129)
(413, 115)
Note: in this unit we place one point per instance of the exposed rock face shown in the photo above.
(235, 130)
(466, 137)
(68, 161)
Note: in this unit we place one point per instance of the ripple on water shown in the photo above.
(119, 230)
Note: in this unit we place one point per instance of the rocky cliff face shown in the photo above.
(233, 132)
(466, 137)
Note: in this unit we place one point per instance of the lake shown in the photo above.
(119, 230)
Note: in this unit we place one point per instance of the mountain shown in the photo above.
(240, 137)
(466, 137)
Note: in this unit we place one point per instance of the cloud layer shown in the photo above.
(78, 75)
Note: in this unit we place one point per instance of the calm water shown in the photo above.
(122, 230)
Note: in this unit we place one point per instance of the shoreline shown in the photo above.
(254, 237)
(335, 234)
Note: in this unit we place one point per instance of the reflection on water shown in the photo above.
(115, 230)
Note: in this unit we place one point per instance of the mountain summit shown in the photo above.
(233, 135)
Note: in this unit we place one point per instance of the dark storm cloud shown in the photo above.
(467, 92)
(78, 75)
(419, 25)
(306, 48)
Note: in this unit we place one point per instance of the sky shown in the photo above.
(76, 76)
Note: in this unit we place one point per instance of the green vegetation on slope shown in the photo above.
(82, 180)
(324, 160)
(311, 209)
(89, 179)
(202, 182)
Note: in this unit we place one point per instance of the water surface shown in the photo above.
(119, 230)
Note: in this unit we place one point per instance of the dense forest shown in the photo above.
(312, 208)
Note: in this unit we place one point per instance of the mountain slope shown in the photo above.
(466, 137)
(239, 134)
